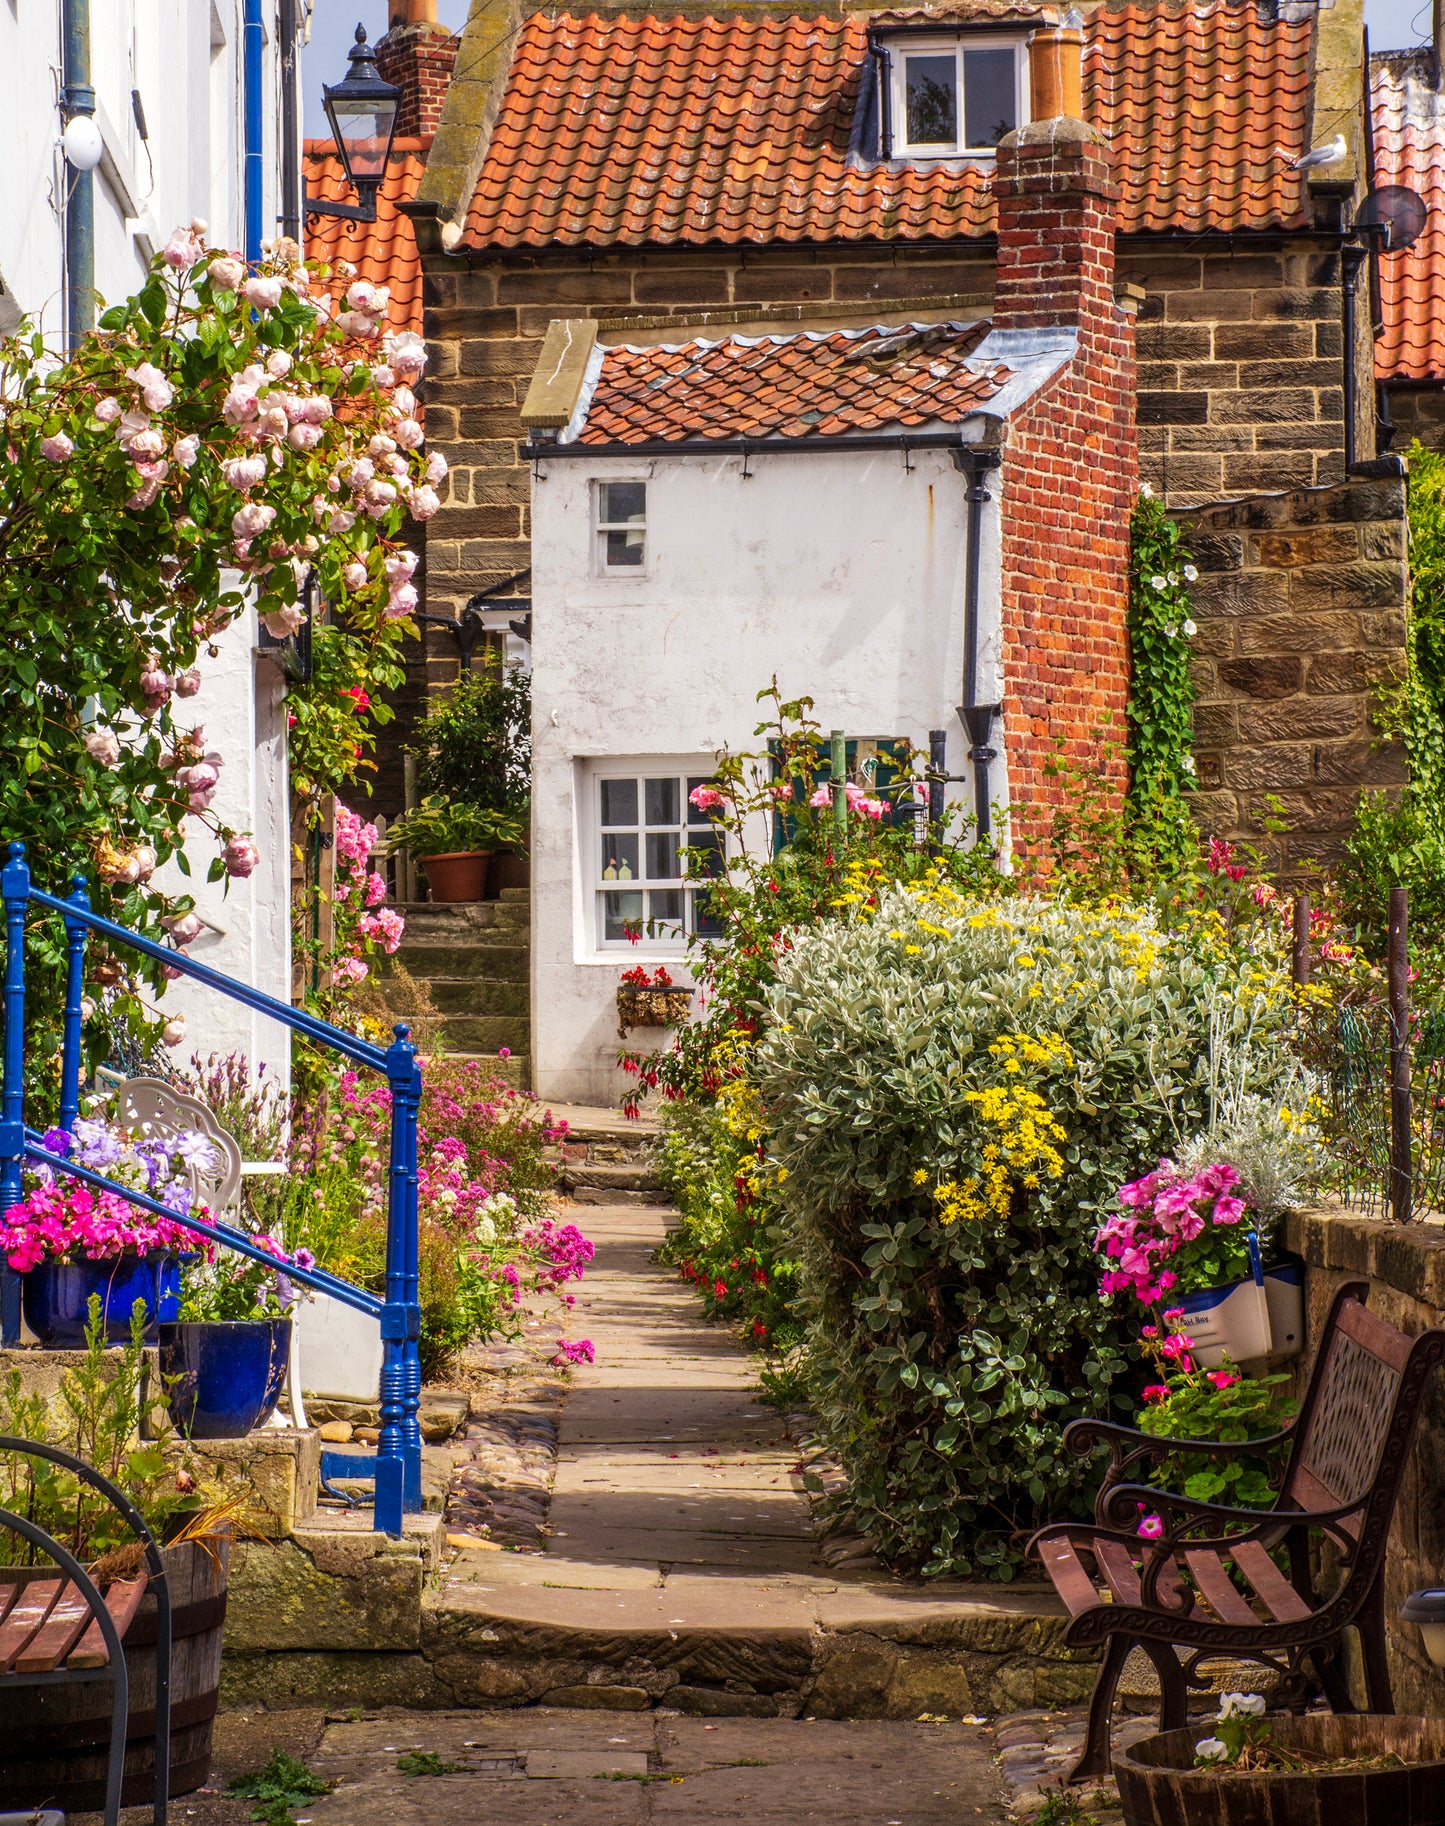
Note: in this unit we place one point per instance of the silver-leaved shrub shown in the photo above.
(955, 1091)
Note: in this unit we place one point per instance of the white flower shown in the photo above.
(174, 1031)
(1211, 1750)
(262, 292)
(185, 450)
(1191, 628)
(1188, 764)
(1240, 1705)
(226, 274)
(424, 503)
(1191, 575)
(1172, 629)
(278, 362)
(1159, 583)
(486, 1230)
(1146, 490)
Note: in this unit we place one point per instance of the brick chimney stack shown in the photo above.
(1070, 457)
(418, 55)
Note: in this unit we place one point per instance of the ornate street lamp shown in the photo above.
(362, 112)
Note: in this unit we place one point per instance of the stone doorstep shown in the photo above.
(335, 1616)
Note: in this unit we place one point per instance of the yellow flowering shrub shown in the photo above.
(955, 1089)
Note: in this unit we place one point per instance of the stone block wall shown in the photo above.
(1240, 368)
(1405, 1266)
(1417, 412)
(1300, 608)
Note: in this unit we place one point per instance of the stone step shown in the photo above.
(479, 996)
(472, 1033)
(454, 921)
(630, 1184)
(515, 1070)
(501, 961)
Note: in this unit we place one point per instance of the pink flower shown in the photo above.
(1156, 1391)
(402, 601)
(408, 434)
(424, 503)
(107, 410)
(252, 520)
(353, 575)
(155, 390)
(103, 746)
(399, 566)
(358, 324)
(705, 798)
(1176, 1345)
(185, 451)
(436, 468)
(226, 273)
(1228, 1210)
(244, 472)
(1222, 1379)
(1152, 1528)
(282, 623)
(407, 354)
(263, 291)
(304, 437)
(241, 857)
(57, 448)
(187, 684)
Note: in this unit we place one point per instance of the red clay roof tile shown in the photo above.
(808, 385)
(1409, 123)
(620, 131)
(383, 251)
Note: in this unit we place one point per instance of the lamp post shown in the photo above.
(362, 112)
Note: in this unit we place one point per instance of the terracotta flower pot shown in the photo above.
(457, 875)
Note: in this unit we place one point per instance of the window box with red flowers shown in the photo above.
(651, 1000)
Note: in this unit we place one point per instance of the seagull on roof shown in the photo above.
(1320, 156)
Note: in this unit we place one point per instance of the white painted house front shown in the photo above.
(710, 516)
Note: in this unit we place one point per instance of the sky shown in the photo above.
(1393, 25)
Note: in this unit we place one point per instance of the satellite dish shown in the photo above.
(1395, 213)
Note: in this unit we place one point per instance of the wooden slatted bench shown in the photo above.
(58, 1627)
(1209, 1586)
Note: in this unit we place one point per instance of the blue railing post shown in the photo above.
(401, 1316)
(76, 937)
(15, 891)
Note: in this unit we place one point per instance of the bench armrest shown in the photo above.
(1131, 1449)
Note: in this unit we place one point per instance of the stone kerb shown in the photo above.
(1405, 1266)
(1300, 607)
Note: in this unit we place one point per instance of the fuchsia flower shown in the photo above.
(1152, 1528)
(1222, 1379)
(1162, 1213)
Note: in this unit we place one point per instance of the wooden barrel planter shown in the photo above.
(54, 1739)
(1159, 1786)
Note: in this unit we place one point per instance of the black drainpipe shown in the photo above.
(1352, 258)
(977, 718)
(286, 30)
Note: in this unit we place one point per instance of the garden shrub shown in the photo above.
(955, 1090)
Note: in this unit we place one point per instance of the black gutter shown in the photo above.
(977, 718)
(904, 441)
(1352, 258)
(290, 171)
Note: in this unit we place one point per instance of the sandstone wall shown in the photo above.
(1300, 607)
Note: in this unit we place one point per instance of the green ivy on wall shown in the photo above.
(1161, 691)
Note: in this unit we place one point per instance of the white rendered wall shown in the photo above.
(184, 58)
(241, 707)
(841, 574)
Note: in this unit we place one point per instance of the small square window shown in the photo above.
(950, 99)
(652, 861)
(621, 526)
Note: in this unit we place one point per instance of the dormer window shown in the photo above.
(954, 97)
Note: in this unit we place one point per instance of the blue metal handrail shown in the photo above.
(398, 1469)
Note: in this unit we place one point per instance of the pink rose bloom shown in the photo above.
(252, 520)
(357, 324)
(408, 434)
(183, 927)
(145, 861)
(436, 467)
(283, 623)
(185, 451)
(822, 799)
(226, 274)
(174, 1031)
(107, 410)
(362, 296)
(402, 601)
(241, 857)
(403, 403)
(244, 472)
(407, 354)
(155, 390)
(183, 250)
(377, 497)
(375, 890)
(57, 448)
(144, 495)
(263, 291)
(239, 404)
(353, 575)
(188, 683)
(399, 566)
(705, 798)
(347, 971)
(341, 522)
(304, 437)
(278, 364)
(101, 745)
(316, 410)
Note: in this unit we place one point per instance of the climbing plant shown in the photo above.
(1161, 691)
(1401, 839)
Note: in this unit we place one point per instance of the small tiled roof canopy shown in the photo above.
(620, 131)
(1409, 127)
(804, 385)
(383, 251)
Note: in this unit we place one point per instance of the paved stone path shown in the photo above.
(667, 1461)
(541, 1767)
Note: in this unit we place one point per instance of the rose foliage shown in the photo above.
(223, 435)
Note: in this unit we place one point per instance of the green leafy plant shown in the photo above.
(285, 1783)
(1223, 1404)
(475, 742)
(955, 1087)
(438, 827)
(97, 1416)
(426, 1762)
(1161, 691)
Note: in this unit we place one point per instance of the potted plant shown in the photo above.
(53, 1738)
(224, 1360)
(474, 747)
(1187, 1237)
(71, 1243)
(1259, 1771)
(651, 1001)
(453, 843)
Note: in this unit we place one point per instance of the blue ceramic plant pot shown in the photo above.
(56, 1297)
(229, 1374)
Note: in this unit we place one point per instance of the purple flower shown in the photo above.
(56, 1141)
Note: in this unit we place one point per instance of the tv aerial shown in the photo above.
(1394, 215)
